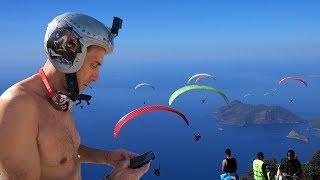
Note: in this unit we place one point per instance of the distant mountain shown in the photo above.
(295, 135)
(315, 124)
(238, 113)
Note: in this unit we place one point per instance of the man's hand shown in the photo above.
(123, 172)
(115, 158)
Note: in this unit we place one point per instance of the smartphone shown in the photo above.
(141, 160)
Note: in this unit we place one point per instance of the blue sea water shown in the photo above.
(165, 133)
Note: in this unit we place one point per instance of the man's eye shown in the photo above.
(93, 66)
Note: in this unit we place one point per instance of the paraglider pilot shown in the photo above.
(157, 171)
(197, 137)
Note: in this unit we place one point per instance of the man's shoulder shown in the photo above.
(18, 113)
(17, 94)
(256, 160)
(18, 101)
(297, 161)
(284, 160)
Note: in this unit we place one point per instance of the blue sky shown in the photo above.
(164, 43)
(170, 30)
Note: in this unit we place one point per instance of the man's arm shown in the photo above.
(281, 167)
(223, 165)
(119, 160)
(92, 155)
(299, 169)
(264, 171)
(19, 156)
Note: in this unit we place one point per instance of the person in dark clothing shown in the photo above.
(290, 167)
(229, 166)
(259, 168)
(197, 137)
(157, 171)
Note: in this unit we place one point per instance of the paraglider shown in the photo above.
(289, 78)
(142, 110)
(274, 90)
(200, 76)
(268, 94)
(144, 85)
(197, 136)
(187, 88)
(147, 85)
(247, 95)
(157, 171)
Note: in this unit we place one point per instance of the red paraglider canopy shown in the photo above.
(139, 111)
(285, 79)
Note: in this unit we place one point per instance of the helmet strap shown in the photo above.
(72, 85)
(73, 89)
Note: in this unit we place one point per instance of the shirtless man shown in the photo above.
(38, 138)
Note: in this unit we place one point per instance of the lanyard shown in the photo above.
(50, 92)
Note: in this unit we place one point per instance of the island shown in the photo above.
(241, 114)
(315, 124)
(295, 135)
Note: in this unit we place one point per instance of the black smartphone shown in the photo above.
(141, 160)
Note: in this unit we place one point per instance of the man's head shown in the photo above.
(260, 155)
(290, 155)
(227, 152)
(75, 44)
(69, 36)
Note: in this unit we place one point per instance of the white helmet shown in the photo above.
(68, 36)
(66, 41)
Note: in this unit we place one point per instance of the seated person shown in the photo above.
(229, 167)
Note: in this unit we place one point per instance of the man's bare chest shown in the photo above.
(58, 139)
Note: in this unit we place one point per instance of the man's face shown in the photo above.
(90, 69)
